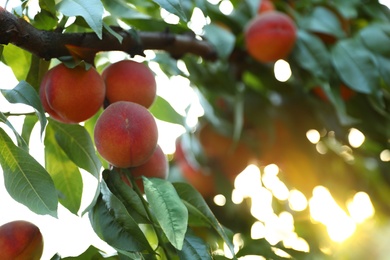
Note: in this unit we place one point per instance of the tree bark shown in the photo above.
(52, 44)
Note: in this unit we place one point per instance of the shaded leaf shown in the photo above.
(91, 11)
(355, 66)
(312, 55)
(24, 93)
(25, 179)
(162, 110)
(65, 174)
(169, 210)
(377, 38)
(77, 144)
(222, 40)
(194, 248)
(28, 125)
(112, 223)
(191, 196)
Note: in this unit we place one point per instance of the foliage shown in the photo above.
(339, 42)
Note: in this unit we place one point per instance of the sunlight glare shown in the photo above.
(313, 136)
(385, 155)
(282, 70)
(297, 200)
(261, 207)
(219, 200)
(257, 230)
(355, 138)
(248, 182)
(169, 17)
(226, 7)
(237, 197)
(361, 208)
(197, 21)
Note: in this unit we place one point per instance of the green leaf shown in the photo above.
(76, 142)
(18, 59)
(91, 11)
(169, 210)
(37, 71)
(192, 197)
(25, 179)
(323, 20)
(126, 195)
(21, 142)
(162, 110)
(172, 6)
(66, 175)
(377, 38)
(112, 223)
(24, 93)
(28, 125)
(194, 248)
(312, 55)
(91, 253)
(222, 40)
(355, 66)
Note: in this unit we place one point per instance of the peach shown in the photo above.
(20, 240)
(265, 6)
(130, 81)
(72, 95)
(345, 92)
(155, 167)
(126, 134)
(270, 36)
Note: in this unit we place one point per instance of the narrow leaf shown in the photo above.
(24, 93)
(113, 224)
(77, 144)
(194, 248)
(91, 11)
(21, 142)
(66, 175)
(172, 6)
(191, 196)
(162, 110)
(170, 212)
(25, 179)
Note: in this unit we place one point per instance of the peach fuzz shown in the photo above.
(72, 95)
(130, 81)
(270, 36)
(126, 134)
(20, 240)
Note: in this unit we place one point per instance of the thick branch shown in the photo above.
(50, 44)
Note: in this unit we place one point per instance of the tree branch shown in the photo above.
(51, 44)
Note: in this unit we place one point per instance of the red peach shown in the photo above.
(126, 134)
(270, 36)
(20, 240)
(130, 81)
(72, 95)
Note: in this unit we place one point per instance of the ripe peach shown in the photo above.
(270, 36)
(130, 81)
(72, 95)
(126, 134)
(155, 167)
(20, 240)
(265, 6)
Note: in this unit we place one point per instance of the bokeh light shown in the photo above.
(355, 138)
(282, 70)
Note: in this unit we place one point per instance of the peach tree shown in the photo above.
(338, 56)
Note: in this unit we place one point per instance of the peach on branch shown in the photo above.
(20, 240)
(72, 95)
(128, 80)
(270, 36)
(126, 134)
